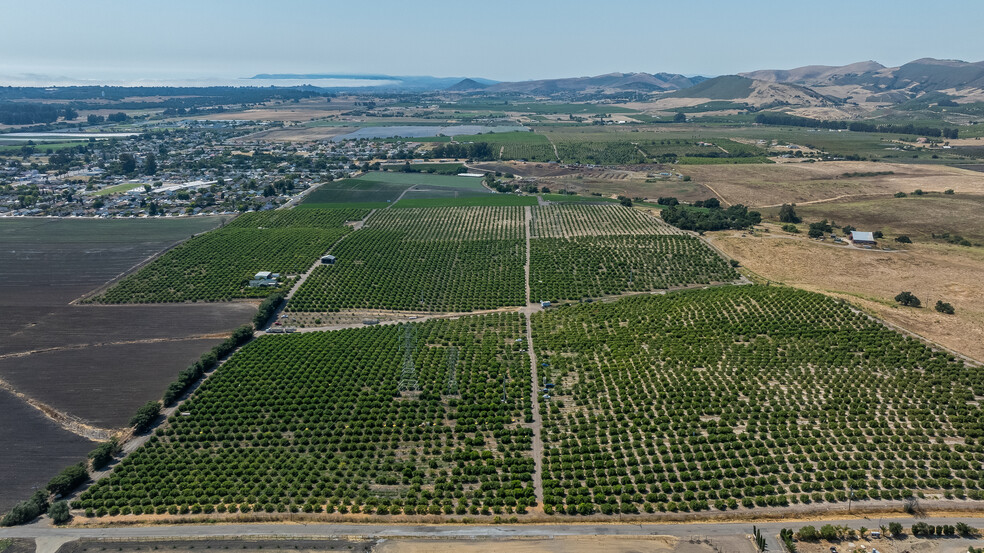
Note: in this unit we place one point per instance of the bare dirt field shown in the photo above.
(103, 385)
(94, 363)
(585, 544)
(872, 278)
(248, 546)
(609, 182)
(295, 133)
(773, 184)
(304, 110)
(34, 449)
(908, 544)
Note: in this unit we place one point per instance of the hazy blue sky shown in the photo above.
(498, 39)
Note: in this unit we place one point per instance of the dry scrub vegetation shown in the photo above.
(768, 185)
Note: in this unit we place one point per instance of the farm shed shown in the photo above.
(262, 275)
(328, 259)
(862, 237)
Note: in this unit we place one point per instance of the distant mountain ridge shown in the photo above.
(611, 82)
(811, 85)
(873, 81)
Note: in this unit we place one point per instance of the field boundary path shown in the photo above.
(43, 533)
(537, 425)
(317, 262)
(67, 422)
(141, 264)
(554, 146)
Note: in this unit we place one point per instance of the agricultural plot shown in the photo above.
(516, 145)
(590, 251)
(427, 179)
(567, 221)
(316, 422)
(437, 259)
(596, 266)
(751, 396)
(412, 200)
(218, 266)
(345, 192)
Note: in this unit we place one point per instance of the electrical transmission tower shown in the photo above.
(408, 377)
(452, 386)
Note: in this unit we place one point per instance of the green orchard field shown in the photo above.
(315, 422)
(590, 251)
(750, 396)
(433, 259)
(218, 265)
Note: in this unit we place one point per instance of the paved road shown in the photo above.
(301, 530)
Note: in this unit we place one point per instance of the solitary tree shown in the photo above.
(680, 118)
(127, 163)
(787, 214)
(907, 299)
(150, 165)
(944, 307)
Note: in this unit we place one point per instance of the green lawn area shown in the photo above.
(353, 193)
(118, 189)
(411, 179)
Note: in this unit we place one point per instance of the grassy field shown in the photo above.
(767, 185)
(350, 193)
(12, 147)
(412, 179)
(919, 217)
(118, 189)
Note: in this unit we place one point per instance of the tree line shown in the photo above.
(30, 114)
(708, 215)
(856, 126)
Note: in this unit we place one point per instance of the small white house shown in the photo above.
(263, 275)
(862, 237)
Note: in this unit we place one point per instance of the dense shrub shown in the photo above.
(267, 308)
(944, 307)
(102, 455)
(59, 512)
(145, 416)
(68, 479)
(28, 510)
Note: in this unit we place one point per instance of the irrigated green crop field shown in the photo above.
(217, 266)
(316, 422)
(749, 396)
(436, 259)
(363, 192)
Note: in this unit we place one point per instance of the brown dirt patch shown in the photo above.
(586, 544)
(295, 133)
(872, 278)
(196, 545)
(774, 184)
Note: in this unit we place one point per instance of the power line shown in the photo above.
(408, 375)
